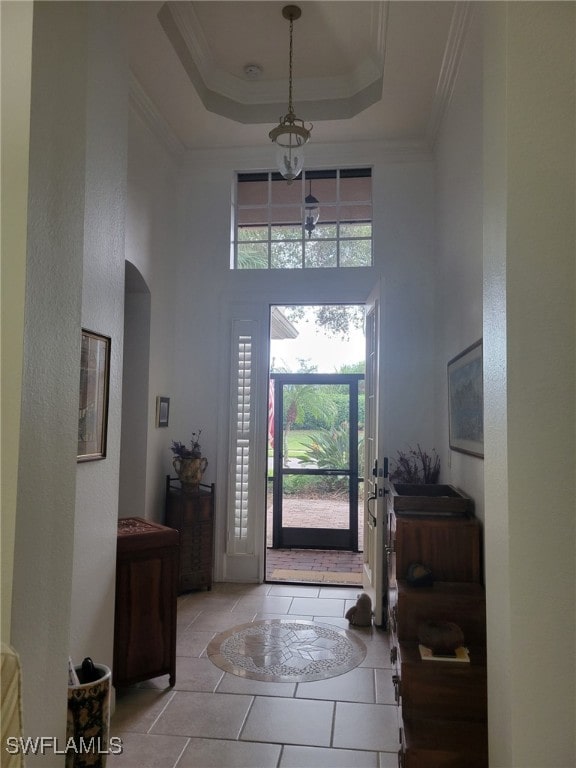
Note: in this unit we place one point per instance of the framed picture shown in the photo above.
(162, 411)
(466, 401)
(93, 405)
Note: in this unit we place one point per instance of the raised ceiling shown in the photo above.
(363, 71)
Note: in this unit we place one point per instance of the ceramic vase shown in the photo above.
(190, 471)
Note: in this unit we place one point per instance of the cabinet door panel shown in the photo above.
(451, 548)
(443, 744)
(461, 602)
(446, 690)
(146, 639)
(193, 515)
(145, 612)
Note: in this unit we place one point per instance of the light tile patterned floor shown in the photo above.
(213, 719)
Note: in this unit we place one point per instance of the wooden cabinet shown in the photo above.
(442, 601)
(192, 514)
(449, 546)
(444, 702)
(146, 595)
(447, 690)
(434, 743)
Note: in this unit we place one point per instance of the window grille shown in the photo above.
(269, 227)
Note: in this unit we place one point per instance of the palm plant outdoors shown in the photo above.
(301, 400)
(330, 448)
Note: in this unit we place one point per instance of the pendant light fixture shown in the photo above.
(311, 210)
(291, 133)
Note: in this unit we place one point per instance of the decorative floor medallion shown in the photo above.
(286, 650)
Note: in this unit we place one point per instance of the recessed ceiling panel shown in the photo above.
(363, 71)
(338, 56)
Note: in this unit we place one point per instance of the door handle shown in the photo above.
(371, 515)
(376, 472)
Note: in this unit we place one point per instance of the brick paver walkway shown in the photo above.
(325, 512)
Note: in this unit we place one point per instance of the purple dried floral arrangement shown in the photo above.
(193, 451)
(416, 467)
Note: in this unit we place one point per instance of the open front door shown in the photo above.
(375, 568)
(328, 472)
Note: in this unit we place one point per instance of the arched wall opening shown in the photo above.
(134, 437)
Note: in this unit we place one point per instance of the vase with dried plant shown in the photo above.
(188, 463)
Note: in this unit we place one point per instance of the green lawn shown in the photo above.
(297, 442)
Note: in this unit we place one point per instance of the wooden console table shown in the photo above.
(146, 595)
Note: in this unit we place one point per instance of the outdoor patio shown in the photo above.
(314, 565)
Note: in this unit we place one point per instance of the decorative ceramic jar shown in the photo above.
(190, 471)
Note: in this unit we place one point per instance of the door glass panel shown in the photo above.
(315, 445)
(312, 501)
(316, 426)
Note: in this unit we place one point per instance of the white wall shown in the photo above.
(76, 172)
(95, 526)
(505, 199)
(403, 242)
(151, 247)
(404, 239)
(458, 276)
(530, 346)
(16, 23)
(48, 438)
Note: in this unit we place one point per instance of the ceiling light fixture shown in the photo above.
(311, 210)
(253, 71)
(291, 133)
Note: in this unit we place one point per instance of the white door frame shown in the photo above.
(375, 566)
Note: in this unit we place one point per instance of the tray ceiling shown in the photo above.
(215, 73)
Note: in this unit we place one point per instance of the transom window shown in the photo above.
(270, 218)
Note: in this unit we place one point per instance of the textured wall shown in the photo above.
(16, 69)
(92, 619)
(458, 273)
(529, 299)
(65, 530)
(49, 424)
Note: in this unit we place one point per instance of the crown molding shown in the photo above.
(144, 107)
(327, 155)
(459, 26)
(259, 156)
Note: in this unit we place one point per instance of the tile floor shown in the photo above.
(213, 719)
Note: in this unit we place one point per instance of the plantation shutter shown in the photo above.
(240, 538)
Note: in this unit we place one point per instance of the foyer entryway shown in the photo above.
(315, 458)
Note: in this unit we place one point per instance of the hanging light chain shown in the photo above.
(291, 132)
(290, 105)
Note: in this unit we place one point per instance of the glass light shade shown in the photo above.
(290, 135)
(290, 160)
